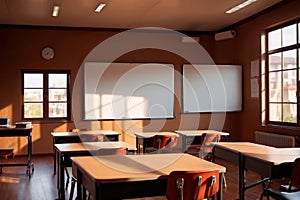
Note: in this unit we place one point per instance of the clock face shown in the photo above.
(48, 53)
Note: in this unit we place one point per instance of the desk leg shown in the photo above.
(30, 167)
(241, 177)
(54, 157)
(220, 192)
(61, 178)
(183, 145)
(79, 183)
(140, 142)
(137, 145)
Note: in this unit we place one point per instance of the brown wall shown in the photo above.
(20, 48)
(246, 47)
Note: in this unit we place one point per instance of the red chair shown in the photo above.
(111, 151)
(192, 185)
(162, 144)
(205, 149)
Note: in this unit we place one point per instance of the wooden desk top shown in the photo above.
(199, 132)
(152, 134)
(76, 134)
(118, 168)
(245, 147)
(92, 146)
(272, 155)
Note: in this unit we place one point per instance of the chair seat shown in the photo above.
(286, 188)
(5, 152)
(279, 195)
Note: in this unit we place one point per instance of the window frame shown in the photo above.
(267, 74)
(46, 101)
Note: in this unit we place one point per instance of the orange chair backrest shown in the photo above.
(111, 151)
(207, 139)
(161, 141)
(185, 185)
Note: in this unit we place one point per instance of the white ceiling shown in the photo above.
(181, 15)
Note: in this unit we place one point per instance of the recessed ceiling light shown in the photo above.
(100, 7)
(55, 11)
(240, 6)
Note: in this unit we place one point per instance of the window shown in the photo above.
(282, 77)
(46, 95)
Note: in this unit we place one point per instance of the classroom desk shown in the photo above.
(67, 150)
(145, 139)
(269, 162)
(134, 176)
(11, 131)
(74, 137)
(194, 136)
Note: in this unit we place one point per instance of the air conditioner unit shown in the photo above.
(225, 35)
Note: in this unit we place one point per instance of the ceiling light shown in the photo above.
(55, 11)
(100, 7)
(240, 6)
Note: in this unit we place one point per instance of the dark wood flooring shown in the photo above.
(15, 184)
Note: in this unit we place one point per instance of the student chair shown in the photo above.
(192, 185)
(5, 153)
(100, 152)
(280, 195)
(291, 190)
(205, 149)
(162, 144)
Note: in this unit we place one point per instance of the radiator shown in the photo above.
(275, 140)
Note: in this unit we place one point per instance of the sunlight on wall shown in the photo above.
(6, 112)
(62, 128)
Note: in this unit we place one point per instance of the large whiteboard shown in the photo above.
(212, 88)
(128, 90)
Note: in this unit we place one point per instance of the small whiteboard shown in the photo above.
(212, 88)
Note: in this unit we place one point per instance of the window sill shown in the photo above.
(48, 121)
(292, 128)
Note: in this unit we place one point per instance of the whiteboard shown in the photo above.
(128, 90)
(212, 88)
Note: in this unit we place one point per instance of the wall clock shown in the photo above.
(47, 53)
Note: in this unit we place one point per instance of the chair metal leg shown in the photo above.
(73, 182)
(68, 177)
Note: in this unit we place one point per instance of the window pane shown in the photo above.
(33, 80)
(289, 35)
(275, 112)
(57, 94)
(57, 110)
(275, 87)
(289, 86)
(57, 80)
(275, 62)
(290, 113)
(274, 39)
(33, 95)
(289, 59)
(33, 110)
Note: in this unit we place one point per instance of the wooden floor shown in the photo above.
(16, 185)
